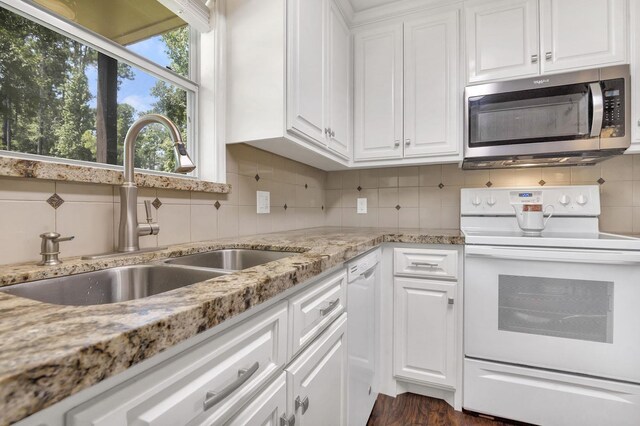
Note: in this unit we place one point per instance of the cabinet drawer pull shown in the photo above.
(451, 300)
(330, 307)
(287, 421)
(302, 403)
(430, 265)
(534, 59)
(244, 374)
(549, 56)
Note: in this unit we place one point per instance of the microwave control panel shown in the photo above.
(613, 120)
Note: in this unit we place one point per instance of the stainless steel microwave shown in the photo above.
(577, 118)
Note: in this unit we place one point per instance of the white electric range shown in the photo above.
(552, 322)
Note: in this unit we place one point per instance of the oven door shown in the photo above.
(561, 309)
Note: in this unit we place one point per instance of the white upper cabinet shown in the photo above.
(432, 89)
(502, 36)
(582, 33)
(339, 131)
(408, 89)
(502, 39)
(378, 93)
(306, 94)
(288, 79)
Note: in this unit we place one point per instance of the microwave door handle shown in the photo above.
(598, 109)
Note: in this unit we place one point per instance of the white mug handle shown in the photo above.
(550, 214)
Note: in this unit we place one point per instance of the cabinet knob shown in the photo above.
(548, 56)
(534, 59)
(304, 403)
(407, 142)
(397, 142)
(332, 133)
(287, 421)
(451, 301)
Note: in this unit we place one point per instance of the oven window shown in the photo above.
(573, 309)
(540, 115)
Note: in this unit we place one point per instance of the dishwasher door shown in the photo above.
(361, 340)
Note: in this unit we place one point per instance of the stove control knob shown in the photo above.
(565, 200)
(582, 200)
(476, 201)
(491, 201)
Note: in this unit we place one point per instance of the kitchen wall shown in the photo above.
(92, 212)
(428, 196)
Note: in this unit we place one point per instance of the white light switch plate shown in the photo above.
(362, 205)
(263, 201)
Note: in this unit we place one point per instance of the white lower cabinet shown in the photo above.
(204, 386)
(424, 330)
(317, 380)
(425, 317)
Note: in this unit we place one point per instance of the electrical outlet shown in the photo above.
(362, 205)
(263, 202)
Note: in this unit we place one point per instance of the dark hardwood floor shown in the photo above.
(411, 409)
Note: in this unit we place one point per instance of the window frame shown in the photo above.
(190, 84)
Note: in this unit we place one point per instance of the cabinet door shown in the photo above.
(424, 331)
(378, 93)
(306, 58)
(339, 82)
(317, 388)
(432, 87)
(266, 408)
(502, 39)
(582, 33)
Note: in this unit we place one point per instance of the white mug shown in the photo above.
(531, 218)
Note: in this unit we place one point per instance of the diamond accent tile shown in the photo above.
(601, 181)
(257, 177)
(398, 207)
(217, 205)
(542, 182)
(441, 185)
(55, 201)
(157, 203)
(488, 184)
(359, 188)
(285, 207)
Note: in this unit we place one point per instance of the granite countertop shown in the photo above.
(50, 352)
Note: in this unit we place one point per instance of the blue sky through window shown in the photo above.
(136, 92)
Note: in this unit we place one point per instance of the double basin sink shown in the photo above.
(137, 281)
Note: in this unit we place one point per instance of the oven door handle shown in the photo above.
(591, 257)
(597, 102)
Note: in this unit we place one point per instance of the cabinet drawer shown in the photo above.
(231, 367)
(441, 264)
(315, 308)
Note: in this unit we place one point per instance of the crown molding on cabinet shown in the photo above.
(396, 9)
(347, 9)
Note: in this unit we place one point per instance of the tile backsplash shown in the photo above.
(429, 196)
(301, 197)
(91, 212)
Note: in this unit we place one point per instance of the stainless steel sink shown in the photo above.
(230, 259)
(111, 285)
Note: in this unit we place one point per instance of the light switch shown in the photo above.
(263, 201)
(362, 205)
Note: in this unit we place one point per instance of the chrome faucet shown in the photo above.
(130, 230)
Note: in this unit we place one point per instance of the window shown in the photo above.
(72, 90)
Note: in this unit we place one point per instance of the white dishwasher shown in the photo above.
(362, 275)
